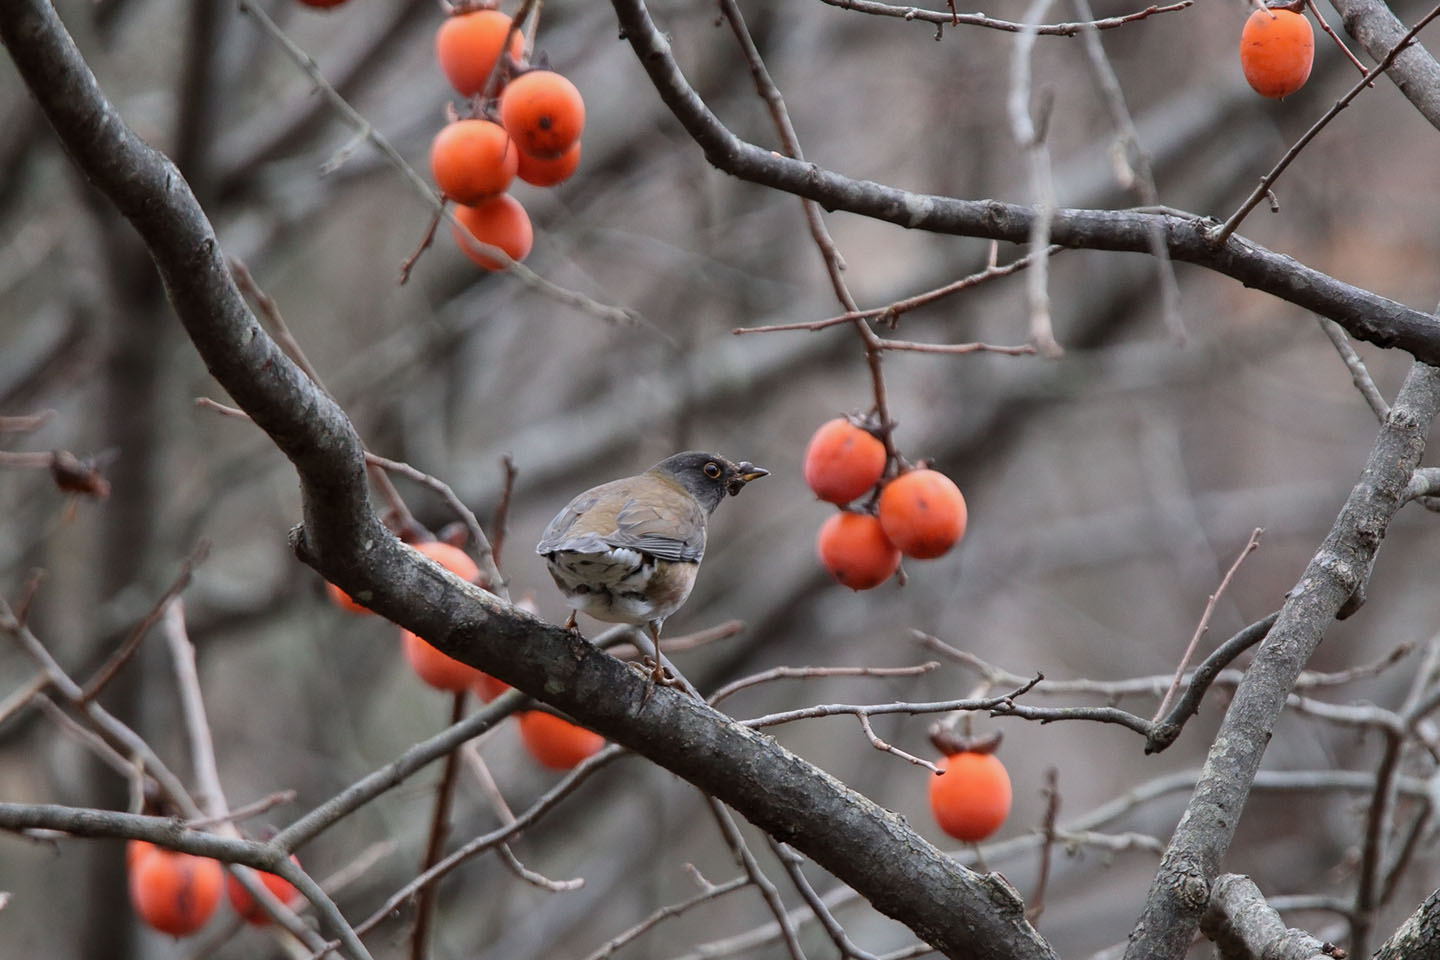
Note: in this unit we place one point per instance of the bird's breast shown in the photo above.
(621, 585)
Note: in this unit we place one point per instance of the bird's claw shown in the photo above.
(656, 675)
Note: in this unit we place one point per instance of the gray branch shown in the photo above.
(1243, 926)
(1418, 936)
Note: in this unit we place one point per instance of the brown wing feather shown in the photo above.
(649, 513)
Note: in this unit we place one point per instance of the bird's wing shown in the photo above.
(661, 520)
(668, 527)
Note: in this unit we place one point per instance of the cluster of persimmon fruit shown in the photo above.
(1277, 50)
(177, 893)
(553, 742)
(970, 798)
(524, 123)
(919, 513)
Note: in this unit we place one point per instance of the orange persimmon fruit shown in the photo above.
(556, 743)
(971, 799)
(247, 906)
(468, 45)
(175, 893)
(501, 222)
(440, 670)
(343, 600)
(853, 547)
(450, 557)
(473, 160)
(435, 668)
(1277, 49)
(843, 461)
(548, 171)
(923, 513)
(543, 111)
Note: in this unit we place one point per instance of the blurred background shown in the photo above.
(1108, 490)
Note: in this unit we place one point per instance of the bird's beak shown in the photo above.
(748, 471)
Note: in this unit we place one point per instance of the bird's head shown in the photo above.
(708, 476)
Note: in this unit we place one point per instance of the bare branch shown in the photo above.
(950, 17)
(1204, 624)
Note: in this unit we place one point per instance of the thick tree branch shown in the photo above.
(1365, 315)
(1181, 888)
(1244, 926)
(904, 876)
(1418, 936)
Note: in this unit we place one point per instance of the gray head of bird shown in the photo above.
(708, 477)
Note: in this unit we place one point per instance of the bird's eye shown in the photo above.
(712, 469)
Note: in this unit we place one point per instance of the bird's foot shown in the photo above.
(656, 675)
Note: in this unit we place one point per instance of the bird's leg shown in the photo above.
(657, 672)
(571, 624)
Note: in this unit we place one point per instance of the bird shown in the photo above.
(628, 551)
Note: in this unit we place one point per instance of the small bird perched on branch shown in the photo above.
(627, 551)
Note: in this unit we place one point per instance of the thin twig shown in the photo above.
(484, 552)
(499, 522)
(730, 832)
(1032, 141)
(900, 307)
(1047, 844)
(279, 331)
(808, 673)
(915, 346)
(435, 845)
(26, 422)
(885, 747)
(89, 738)
(28, 590)
(1204, 624)
(1330, 32)
(624, 649)
(21, 696)
(950, 17)
(279, 798)
(210, 796)
(117, 732)
(127, 649)
(408, 264)
(1156, 684)
(1359, 375)
(481, 770)
(711, 892)
(880, 709)
(793, 863)
(486, 841)
(224, 409)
